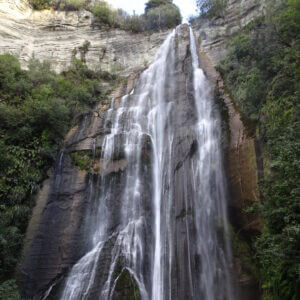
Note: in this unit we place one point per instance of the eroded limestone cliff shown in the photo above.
(61, 237)
(56, 36)
(214, 32)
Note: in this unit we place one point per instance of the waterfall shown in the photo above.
(210, 205)
(157, 212)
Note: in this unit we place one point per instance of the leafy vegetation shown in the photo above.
(9, 291)
(82, 159)
(212, 8)
(70, 5)
(41, 4)
(156, 3)
(159, 14)
(165, 15)
(262, 73)
(242, 251)
(59, 4)
(36, 109)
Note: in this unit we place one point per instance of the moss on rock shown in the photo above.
(126, 287)
(85, 159)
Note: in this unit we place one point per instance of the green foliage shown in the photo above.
(163, 16)
(156, 3)
(70, 5)
(103, 13)
(212, 8)
(135, 24)
(9, 291)
(36, 109)
(126, 286)
(67, 5)
(82, 159)
(262, 73)
(243, 252)
(84, 50)
(86, 159)
(159, 14)
(41, 4)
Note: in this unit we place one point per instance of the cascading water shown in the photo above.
(210, 205)
(167, 229)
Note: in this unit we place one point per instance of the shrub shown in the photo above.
(9, 291)
(262, 73)
(241, 46)
(212, 8)
(71, 5)
(103, 13)
(82, 159)
(41, 4)
(67, 5)
(36, 109)
(164, 16)
(159, 14)
(156, 3)
(135, 24)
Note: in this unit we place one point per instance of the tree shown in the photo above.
(212, 7)
(156, 3)
(161, 14)
(37, 107)
(41, 4)
(262, 74)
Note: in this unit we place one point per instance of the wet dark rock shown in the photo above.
(243, 169)
(71, 213)
(56, 244)
(126, 287)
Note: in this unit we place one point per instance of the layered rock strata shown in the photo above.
(214, 32)
(190, 192)
(57, 36)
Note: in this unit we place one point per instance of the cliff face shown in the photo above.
(102, 202)
(56, 234)
(57, 36)
(214, 32)
(243, 150)
(244, 170)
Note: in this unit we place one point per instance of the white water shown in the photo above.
(210, 205)
(142, 230)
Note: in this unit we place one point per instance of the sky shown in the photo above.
(187, 7)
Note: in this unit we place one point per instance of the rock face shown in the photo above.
(214, 32)
(243, 150)
(57, 231)
(136, 205)
(55, 240)
(57, 36)
(244, 169)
